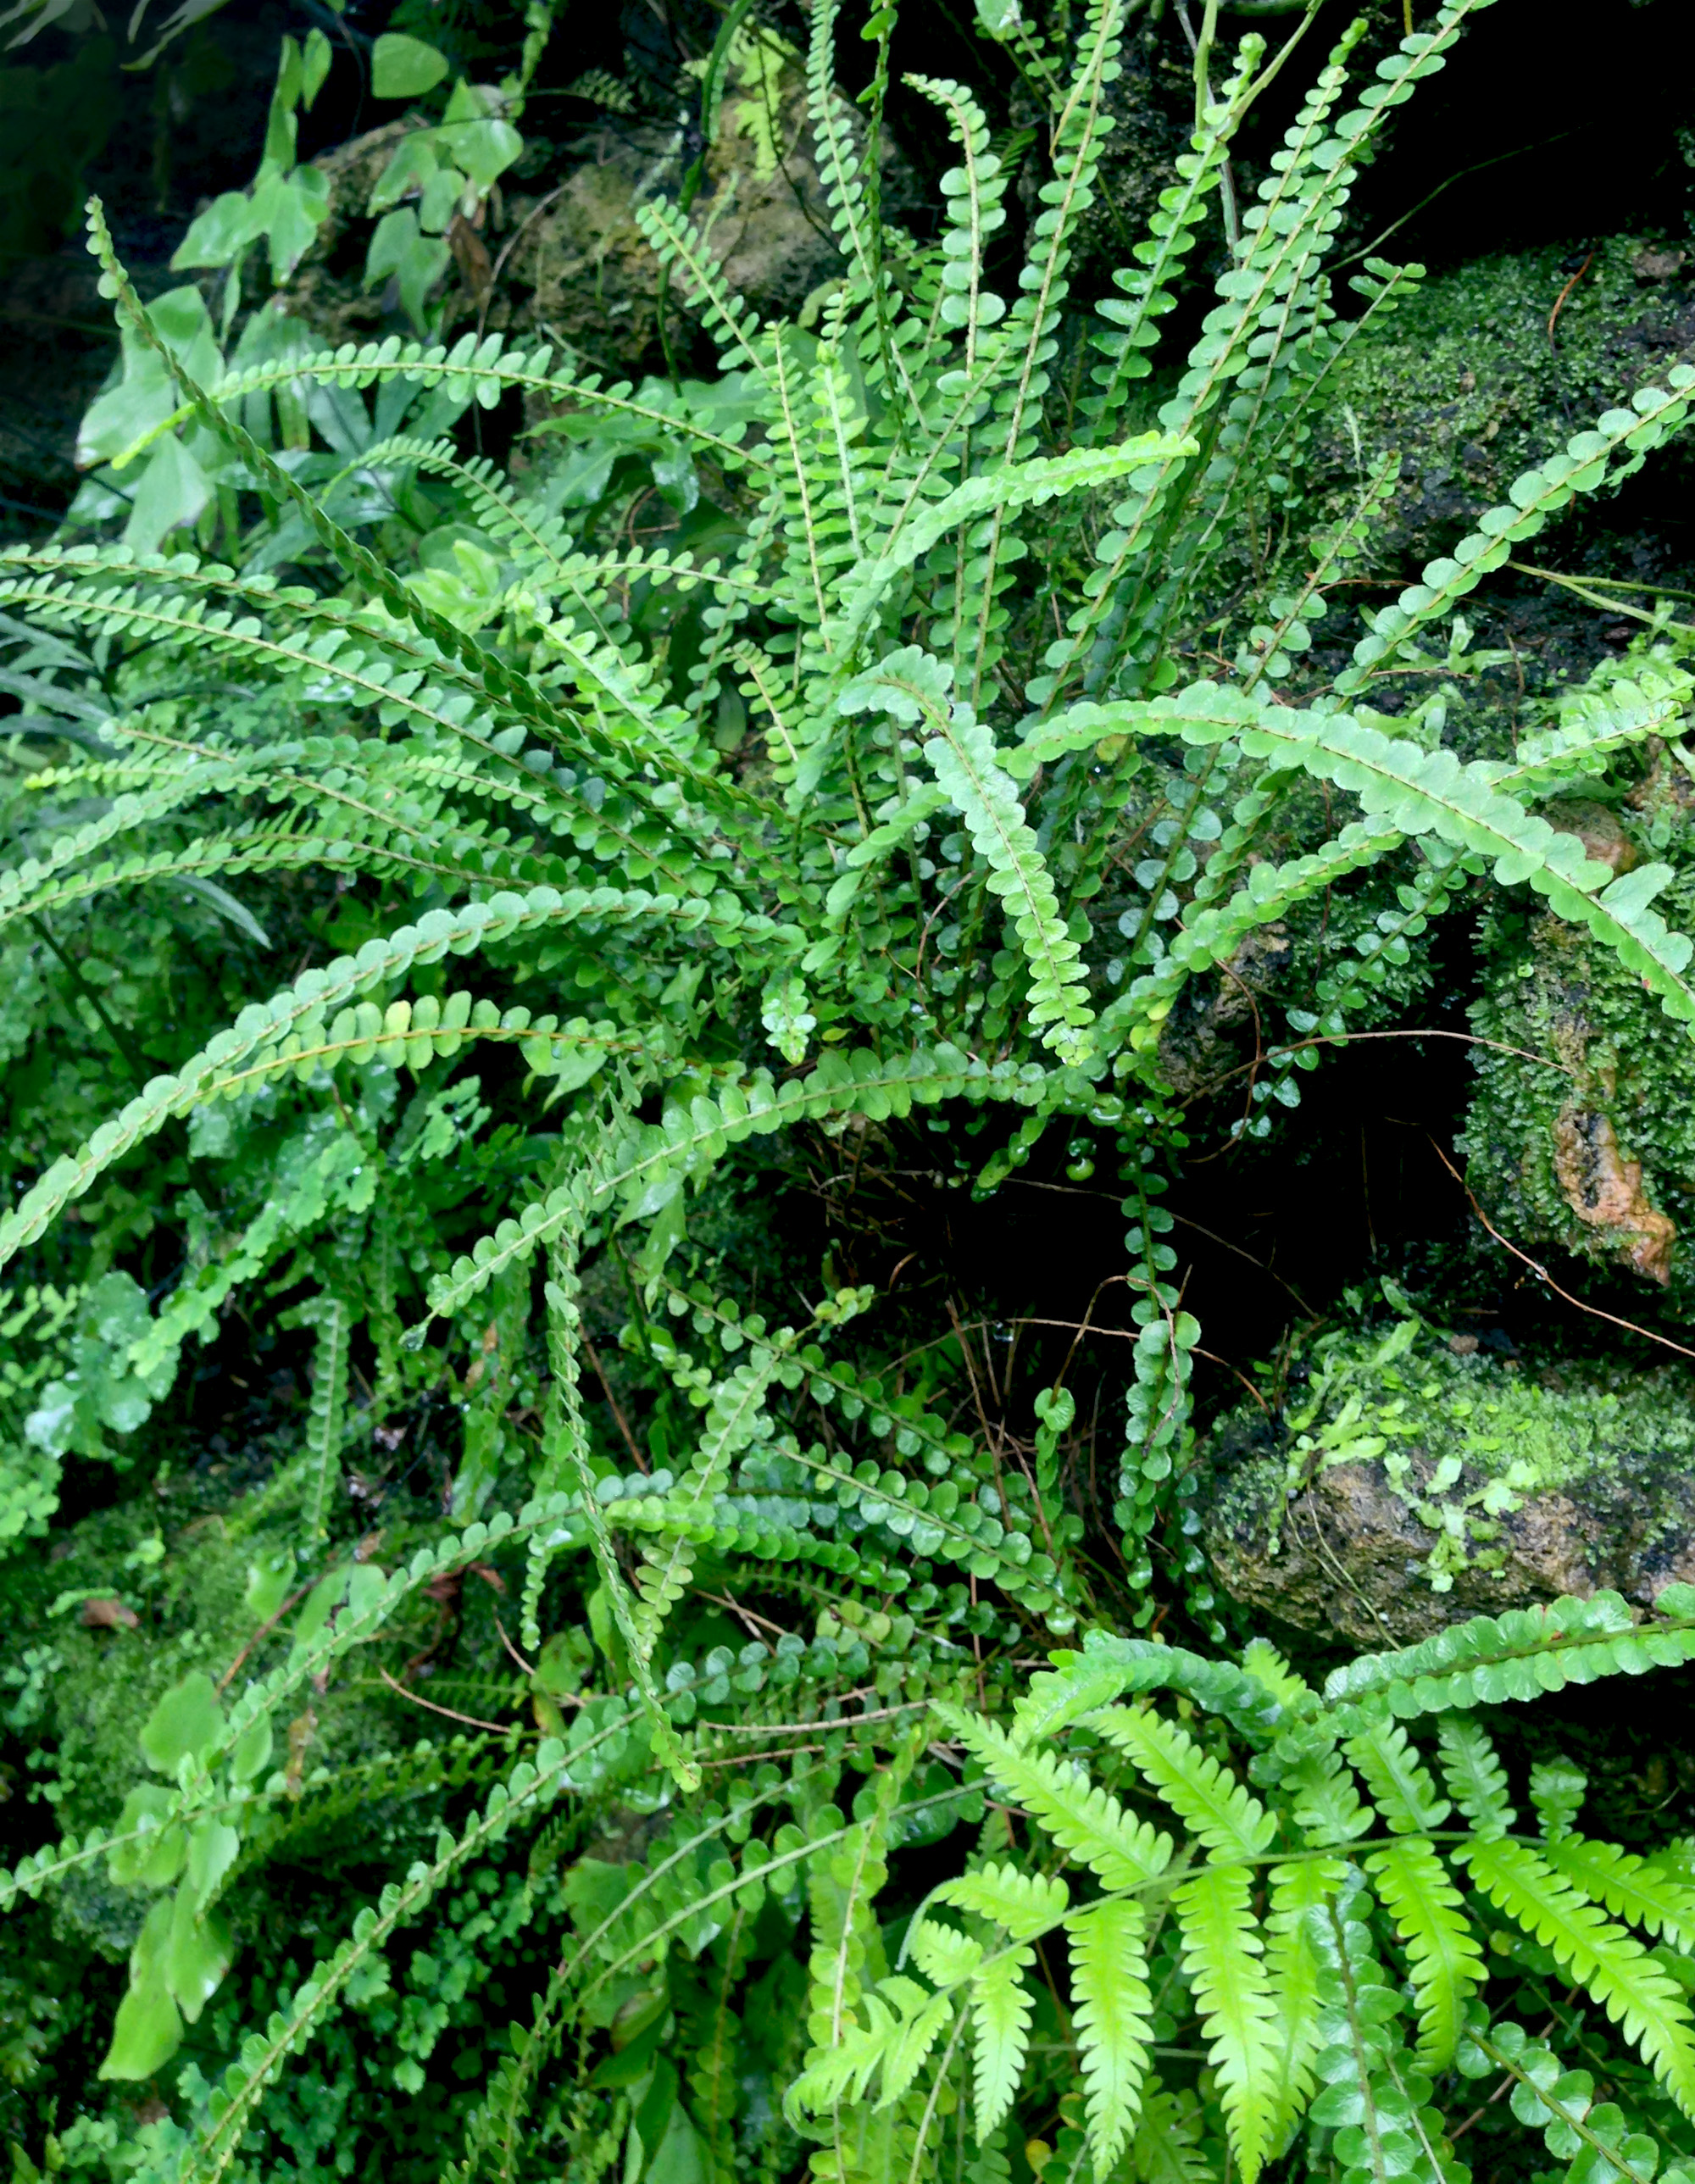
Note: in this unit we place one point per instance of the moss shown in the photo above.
(1489, 1431)
(1414, 1474)
(1581, 1133)
(1465, 383)
(74, 1693)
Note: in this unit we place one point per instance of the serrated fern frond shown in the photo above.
(1224, 1955)
(1112, 2008)
(1442, 1953)
(1083, 1818)
(1644, 2001)
(1227, 1818)
(1629, 1886)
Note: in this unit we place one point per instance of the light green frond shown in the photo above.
(962, 756)
(1476, 1780)
(1442, 1952)
(1224, 1955)
(732, 1421)
(1001, 2012)
(1641, 1999)
(1397, 1779)
(1081, 1818)
(1615, 445)
(1629, 1887)
(1521, 1655)
(1252, 1699)
(330, 1317)
(1292, 1967)
(844, 2070)
(1025, 1904)
(1581, 745)
(1227, 1818)
(1111, 2010)
(921, 2017)
(946, 1957)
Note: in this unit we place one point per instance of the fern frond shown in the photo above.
(1112, 2009)
(1562, 2102)
(973, 190)
(1520, 1655)
(1291, 1965)
(946, 1957)
(1645, 2001)
(1167, 2145)
(1081, 1818)
(482, 370)
(1110, 1666)
(566, 1451)
(733, 1418)
(678, 244)
(1397, 1779)
(651, 1164)
(363, 656)
(332, 1319)
(1026, 1905)
(1263, 299)
(962, 756)
(1017, 485)
(1613, 448)
(1223, 1955)
(273, 1036)
(923, 2018)
(1433, 792)
(218, 2143)
(1590, 733)
(1148, 288)
(1001, 2012)
(1628, 1886)
(1227, 1818)
(1442, 1952)
(1476, 1780)
(1366, 2096)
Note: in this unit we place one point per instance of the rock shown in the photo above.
(1598, 828)
(1581, 1132)
(569, 263)
(1464, 383)
(579, 268)
(1605, 1191)
(327, 291)
(1353, 1553)
(1195, 1047)
(1412, 1490)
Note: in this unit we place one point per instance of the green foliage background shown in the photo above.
(521, 1658)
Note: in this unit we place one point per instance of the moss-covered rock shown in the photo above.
(565, 260)
(1418, 1478)
(1581, 1133)
(1468, 385)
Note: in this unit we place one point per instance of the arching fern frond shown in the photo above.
(1231, 1822)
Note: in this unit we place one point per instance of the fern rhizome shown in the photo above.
(823, 829)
